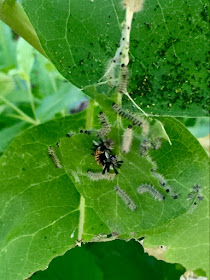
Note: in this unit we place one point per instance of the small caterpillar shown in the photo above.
(127, 139)
(54, 157)
(100, 176)
(123, 80)
(105, 125)
(145, 146)
(160, 178)
(125, 197)
(196, 193)
(129, 116)
(156, 144)
(146, 188)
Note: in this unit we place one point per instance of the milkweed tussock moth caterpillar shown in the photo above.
(54, 157)
(131, 117)
(145, 146)
(127, 139)
(146, 188)
(105, 125)
(160, 178)
(123, 80)
(104, 157)
(125, 197)
(134, 5)
(99, 176)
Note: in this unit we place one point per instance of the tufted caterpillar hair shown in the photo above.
(130, 116)
(123, 79)
(133, 5)
(54, 157)
(127, 139)
(146, 188)
(99, 176)
(105, 125)
(125, 197)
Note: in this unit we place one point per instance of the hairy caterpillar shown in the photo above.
(105, 125)
(104, 157)
(127, 139)
(54, 157)
(130, 116)
(146, 188)
(125, 197)
(160, 178)
(100, 176)
(123, 81)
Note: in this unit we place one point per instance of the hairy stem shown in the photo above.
(14, 15)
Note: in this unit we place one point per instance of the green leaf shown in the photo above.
(168, 50)
(9, 133)
(46, 210)
(7, 47)
(109, 260)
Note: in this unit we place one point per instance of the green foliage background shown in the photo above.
(41, 206)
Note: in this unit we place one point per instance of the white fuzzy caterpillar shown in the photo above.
(160, 178)
(105, 125)
(127, 139)
(125, 197)
(54, 157)
(99, 176)
(146, 188)
(123, 80)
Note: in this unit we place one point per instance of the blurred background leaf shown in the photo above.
(32, 91)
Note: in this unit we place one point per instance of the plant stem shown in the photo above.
(31, 98)
(20, 112)
(15, 16)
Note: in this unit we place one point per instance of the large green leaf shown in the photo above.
(168, 49)
(45, 211)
